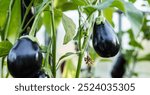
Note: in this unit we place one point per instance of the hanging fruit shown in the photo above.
(105, 41)
(24, 59)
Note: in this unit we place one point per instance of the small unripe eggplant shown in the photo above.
(118, 69)
(105, 41)
(24, 59)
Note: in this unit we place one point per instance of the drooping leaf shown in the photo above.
(5, 47)
(135, 17)
(69, 70)
(69, 27)
(4, 5)
(15, 22)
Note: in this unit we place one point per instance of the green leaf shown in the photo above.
(5, 47)
(108, 13)
(4, 5)
(146, 29)
(119, 4)
(148, 1)
(69, 6)
(133, 1)
(59, 3)
(144, 58)
(135, 17)
(90, 9)
(103, 5)
(15, 21)
(69, 70)
(69, 27)
(80, 2)
(47, 22)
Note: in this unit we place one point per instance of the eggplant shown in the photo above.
(24, 59)
(119, 67)
(105, 41)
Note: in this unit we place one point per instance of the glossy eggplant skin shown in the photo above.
(24, 59)
(118, 69)
(105, 41)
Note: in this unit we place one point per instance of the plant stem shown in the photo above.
(54, 40)
(80, 48)
(24, 18)
(9, 18)
(33, 28)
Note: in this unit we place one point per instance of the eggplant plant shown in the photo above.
(23, 57)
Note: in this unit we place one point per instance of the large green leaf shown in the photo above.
(69, 27)
(4, 5)
(15, 21)
(135, 17)
(5, 47)
(69, 70)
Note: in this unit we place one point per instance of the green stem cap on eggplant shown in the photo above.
(105, 41)
(24, 59)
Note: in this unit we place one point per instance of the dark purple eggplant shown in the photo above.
(24, 59)
(119, 67)
(105, 41)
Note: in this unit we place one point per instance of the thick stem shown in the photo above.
(54, 41)
(79, 65)
(80, 48)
